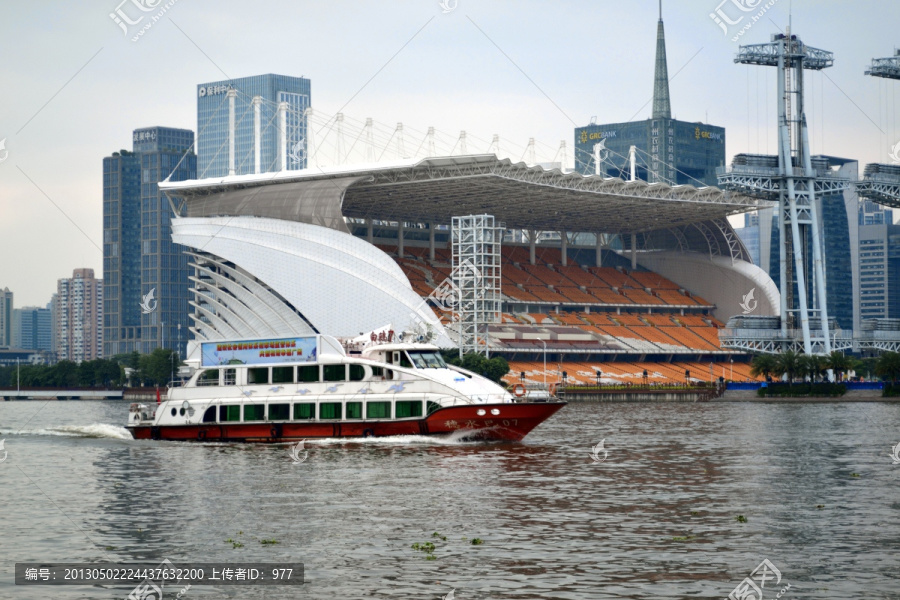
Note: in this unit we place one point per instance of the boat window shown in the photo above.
(308, 374)
(354, 410)
(425, 359)
(330, 410)
(230, 376)
(377, 371)
(258, 375)
(432, 406)
(210, 415)
(231, 412)
(357, 372)
(404, 361)
(282, 374)
(304, 411)
(254, 412)
(409, 408)
(334, 372)
(279, 412)
(208, 377)
(378, 410)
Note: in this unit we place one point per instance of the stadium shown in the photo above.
(632, 282)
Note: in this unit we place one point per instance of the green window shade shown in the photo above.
(254, 412)
(330, 410)
(354, 410)
(306, 410)
(409, 408)
(230, 412)
(357, 372)
(308, 374)
(378, 410)
(279, 412)
(258, 375)
(282, 374)
(432, 406)
(334, 372)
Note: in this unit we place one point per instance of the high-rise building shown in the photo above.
(879, 271)
(145, 274)
(874, 214)
(749, 234)
(213, 123)
(6, 318)
(34, 328)
(838, 215)
(668, 150)
(79, 314)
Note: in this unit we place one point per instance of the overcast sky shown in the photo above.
(74, 85)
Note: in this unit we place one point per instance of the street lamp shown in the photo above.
(599, 375)
(645, 377)
(732, 370)
(687, 377)
(545, 362)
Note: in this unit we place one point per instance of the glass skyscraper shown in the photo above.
(145, 275)
(34, 328)
(212, 123)
(668, 150)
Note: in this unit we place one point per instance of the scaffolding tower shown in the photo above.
(476, 276)
(804, 323)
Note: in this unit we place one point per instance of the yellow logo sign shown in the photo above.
(584, 137)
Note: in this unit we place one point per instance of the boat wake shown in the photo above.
(95, 430)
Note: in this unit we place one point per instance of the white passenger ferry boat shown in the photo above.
(286, 389)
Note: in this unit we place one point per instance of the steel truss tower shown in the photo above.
(793, 185)
(881, 182)
(476, 276)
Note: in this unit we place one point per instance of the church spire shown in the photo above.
(662, 108)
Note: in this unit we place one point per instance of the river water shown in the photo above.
(656, 519)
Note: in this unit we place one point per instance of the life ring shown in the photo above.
(519, 390)
(368, 433)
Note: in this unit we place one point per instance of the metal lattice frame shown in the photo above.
(888, 68)
(794, 184)
(476, 277)
(881, 184)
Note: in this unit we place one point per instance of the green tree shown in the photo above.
(788, 363)
(493, 368)
(156, 368)
(888, 366)
(762, 364)
(814, 365)
(840, 363)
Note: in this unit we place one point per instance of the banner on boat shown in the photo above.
(259, 352)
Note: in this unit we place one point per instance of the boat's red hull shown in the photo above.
(513, 422)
